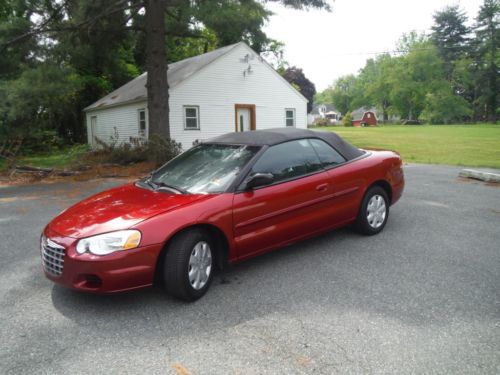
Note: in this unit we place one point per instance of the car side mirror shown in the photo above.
(259, 179)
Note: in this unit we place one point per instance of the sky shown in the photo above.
(328, 45)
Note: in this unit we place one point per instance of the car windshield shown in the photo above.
(204, 169)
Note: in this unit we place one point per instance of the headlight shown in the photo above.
(108, 243)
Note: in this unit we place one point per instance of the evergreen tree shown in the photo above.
(103, 43)
(488, 59)
(450, 36)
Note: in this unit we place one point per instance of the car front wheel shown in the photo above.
(189, 264)
(374, 211)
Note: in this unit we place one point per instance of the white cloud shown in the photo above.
(328, 45)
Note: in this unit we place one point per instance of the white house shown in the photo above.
(324, 111)
(228, 89)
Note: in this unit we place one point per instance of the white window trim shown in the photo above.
(139, 122)
(287, 118)
(197, 108)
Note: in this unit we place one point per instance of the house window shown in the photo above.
(191, 117)
(290, 116)
(368, 115)
(142, 122)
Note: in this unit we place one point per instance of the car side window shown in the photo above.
(327, 154)
(288, 160)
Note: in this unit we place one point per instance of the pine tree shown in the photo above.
(450, 36)
(160, 21)
(488, 59)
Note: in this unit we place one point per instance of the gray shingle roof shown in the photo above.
(135, 90)
(329, 108)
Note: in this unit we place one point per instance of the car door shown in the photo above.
(293, 206)
(345, 179)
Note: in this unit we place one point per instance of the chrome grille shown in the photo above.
(52, 257)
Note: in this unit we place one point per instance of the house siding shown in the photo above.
(219, 86)
(123, 118)
(215, 89)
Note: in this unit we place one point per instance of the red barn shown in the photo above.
(364, 117)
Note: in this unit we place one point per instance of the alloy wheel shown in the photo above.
(200, 265)
(376, 211)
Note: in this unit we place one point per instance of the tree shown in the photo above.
(44, 97)
(488, 59)
(91, 62)
(408, 41)
(373, 84)
(230, 20)
(442, 106)
(449, 35)
(463, 81)
(413, 76)
(14, 20)
(296, 77)
(342, 93)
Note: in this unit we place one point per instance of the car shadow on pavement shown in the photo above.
(245, 291)
(340, 271)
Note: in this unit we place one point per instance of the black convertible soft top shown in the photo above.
(270, 137)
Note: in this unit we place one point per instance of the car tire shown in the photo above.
(188, 265)
(374, 212)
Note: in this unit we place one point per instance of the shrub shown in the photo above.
(321, 122)
(41, 142)
(347, 119)
(157, 150)
(160, 150)
(411, 122)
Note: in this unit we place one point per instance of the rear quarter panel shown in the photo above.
(382, 166)
(375, 166)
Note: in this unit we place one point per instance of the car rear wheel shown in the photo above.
(374, 211)
(189, 264)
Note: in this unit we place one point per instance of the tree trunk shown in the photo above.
(385, 117)
(156, 65)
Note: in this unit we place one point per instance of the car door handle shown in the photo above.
(322, 187)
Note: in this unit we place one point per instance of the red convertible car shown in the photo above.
(231, 198)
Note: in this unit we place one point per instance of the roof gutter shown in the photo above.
(106, 106)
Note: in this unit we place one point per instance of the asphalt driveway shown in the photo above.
(421, 297)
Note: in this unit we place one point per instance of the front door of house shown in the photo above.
(93, 130)
(243, 115)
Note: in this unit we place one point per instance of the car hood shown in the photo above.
(117, 209)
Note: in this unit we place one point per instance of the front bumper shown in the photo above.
(116, 272)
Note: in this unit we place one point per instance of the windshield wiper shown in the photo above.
(150, 183)
(145, 183)
(159, 185)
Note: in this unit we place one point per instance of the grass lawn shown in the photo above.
(58, 159)
(467, 145)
